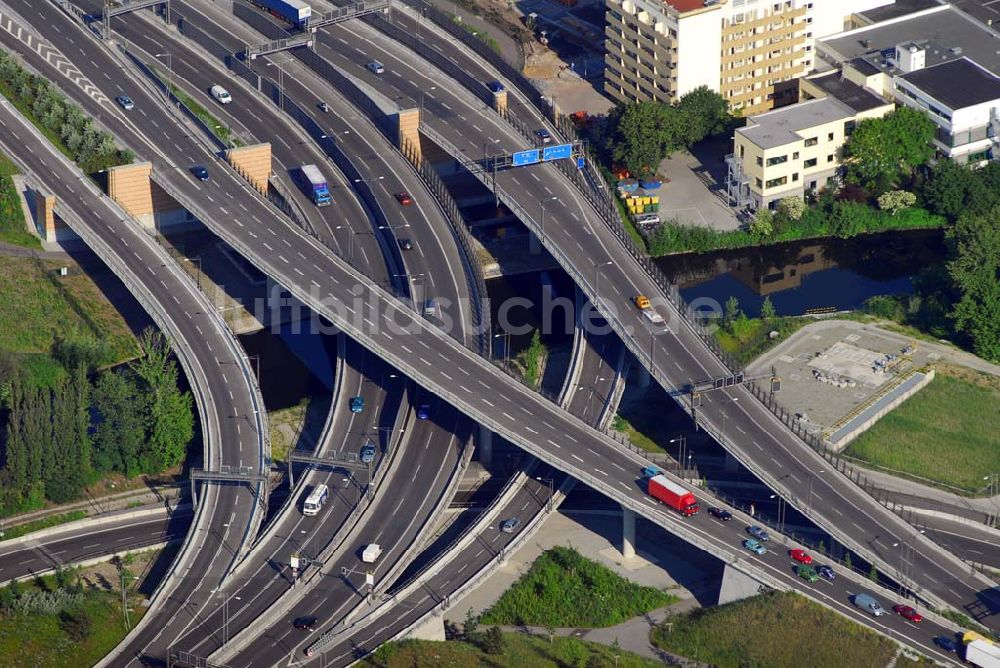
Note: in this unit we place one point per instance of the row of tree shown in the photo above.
(57, 440)
(88, 146)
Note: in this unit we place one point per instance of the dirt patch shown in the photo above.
(979, 378)
(106, 576)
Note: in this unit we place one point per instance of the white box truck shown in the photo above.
(982, 653)
(371, 553)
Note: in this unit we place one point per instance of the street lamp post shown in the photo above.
(422, 91)
(811, 476)
(170, 74)
(281, 84)
(541, 223)
(506, 346)
(597, 277)
(548, 502)
(681, 447)
(781, 511)
(197, 260)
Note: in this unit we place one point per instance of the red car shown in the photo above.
(800, 556)
(907, 612)
(404, 198)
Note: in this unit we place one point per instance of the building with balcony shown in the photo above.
(790, 151)
(749, 51)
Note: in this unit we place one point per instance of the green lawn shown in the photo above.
(563, 589)
(38, 305)
(945, 432)
(748, 338)
(45, 523)
(774, 630)
(38, 641)
(520, 650)
(12, 224)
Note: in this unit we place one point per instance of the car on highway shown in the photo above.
(324, 107)
(807, 573)
(403, 198)
(543, 136)
(495, 86)
(357, 404)
(826, 573)
(432, 308)
(423, 411)
(304, 623)
(720, 514)
(947, 644)
(908, 612)
(509, 524)
(757, 532)
(125, 102)
(368, 452)
(801, 556)
(651, 471)
(375, 67)
(405, 244)
(754, 546)
(200, 173)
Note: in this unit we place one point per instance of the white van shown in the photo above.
(221, 95)
(371, 553)
(316, 500)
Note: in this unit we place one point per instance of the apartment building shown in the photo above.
(940, 61)
(796, 149)
(750, 51)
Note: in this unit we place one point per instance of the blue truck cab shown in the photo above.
(314, 184)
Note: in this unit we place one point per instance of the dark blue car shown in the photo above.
(200, 173)
(947, 644)
(423, 411)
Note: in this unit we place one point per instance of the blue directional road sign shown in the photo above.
(557, 152)
(581, 162)
(522, 158)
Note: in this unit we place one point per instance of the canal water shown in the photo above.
(828, 274)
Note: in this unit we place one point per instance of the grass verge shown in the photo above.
(524, 651)
(44, 639)
(285, 425)
(564, 588)
(12, 223)
(749, 338)
(946, 432)
(39, 305)
(45, 523)
(218, 128)
(744, 634)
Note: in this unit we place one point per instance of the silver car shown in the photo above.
(125, 102)
(508, 525)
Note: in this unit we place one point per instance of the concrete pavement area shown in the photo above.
(696, 193)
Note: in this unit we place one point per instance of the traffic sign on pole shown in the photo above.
(522, 158)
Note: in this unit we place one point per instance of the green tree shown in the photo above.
(895, 201)
(792, 207)
(171, 419)
(705, 113)
(120, 435)
(767, 311)
(873, 574)
(65, 481)
(763, 222)
(975, 271)
(847, 561)
(732, 311)
(643, 134)
(493, 641)
(882, 150)
(16, 451)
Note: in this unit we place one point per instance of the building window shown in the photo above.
(758, 183)
(829, 158)
(849, 128)
(829, 136)
(811, 162)
(795, 177)
(742, 151)
(760, 161)
(780, 181)
(795, 156)
(777, 160)
(812, 141)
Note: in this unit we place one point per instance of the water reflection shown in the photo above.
(834, 274)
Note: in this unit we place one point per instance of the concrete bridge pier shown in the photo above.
(485, 447)
(534, 244)
(737, 585)
(628, 534)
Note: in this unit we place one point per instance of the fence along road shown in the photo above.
(546, 430)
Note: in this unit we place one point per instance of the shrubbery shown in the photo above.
(64, 122)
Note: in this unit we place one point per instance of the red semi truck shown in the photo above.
(672, 494)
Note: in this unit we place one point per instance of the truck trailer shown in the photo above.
(314, 184)
(982, 653)
(673, 495)
(295, 12)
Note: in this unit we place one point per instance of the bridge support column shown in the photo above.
(628, 534)
(253, 163)
(408, 126)
(45, 221)
(430, 629)
(131, 187)
(500, 102)
(534, 244)
(642, 376)
(737, 585)
(485, 447)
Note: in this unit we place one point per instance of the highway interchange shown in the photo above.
(550, 429)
